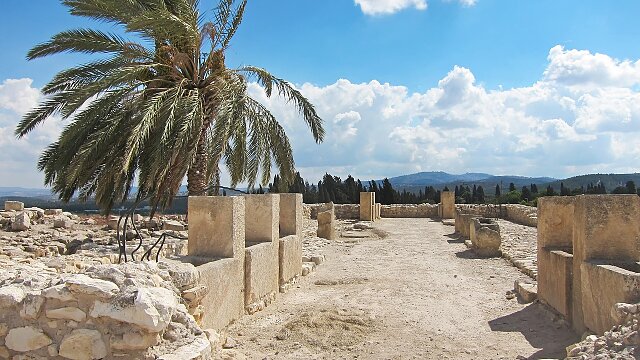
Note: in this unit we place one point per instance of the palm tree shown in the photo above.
(160, 108)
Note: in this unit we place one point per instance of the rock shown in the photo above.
(62, 222)
(4, 352)
(11, 295)
(53, 212)
(196, 294)
(31, 306)
(527, 292)
(21, 222)
(66, 313)
(4, 329)
(317, 259)
(26, 339)
(13, 206)
(52, 350)
(83, 344)
(230, 343)
(183, 275)
(152, 309)
(134, 341)
(82, 284)
(199, 349)
(214, 338)
(60, 292)
(112, 223)
(173, 225)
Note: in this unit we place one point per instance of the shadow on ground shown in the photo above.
(537, 325)
(469, 254)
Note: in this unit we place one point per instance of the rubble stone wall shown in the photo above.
(127, 311)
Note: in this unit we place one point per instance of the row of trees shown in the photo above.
(333, 188)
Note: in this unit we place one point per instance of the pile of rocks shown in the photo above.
(133, 310)
(621, 342)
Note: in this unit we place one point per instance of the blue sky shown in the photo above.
(540, 88)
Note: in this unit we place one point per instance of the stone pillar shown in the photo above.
(326, 222)
(290, 247)
(555, 252)
(606, 231)
(216, 247)
(378, 211)
(261, 265)
(448, 204)
(367, 205)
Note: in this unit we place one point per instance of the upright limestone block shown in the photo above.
(216, 247)
(367, 205)
(290, 214)
(448, 201)
(555, 222)
(326, 222)
(378, 211)
(261, 265)
(216, 226)
(262, 218)
(290, 243)
(555, 248)
(606, 229)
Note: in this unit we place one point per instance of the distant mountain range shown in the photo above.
(439, 180)
(416, 182)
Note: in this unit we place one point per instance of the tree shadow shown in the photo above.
(536, 324)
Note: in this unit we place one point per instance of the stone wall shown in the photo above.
(409, 211)
(127, 311)
(519, 214)
(342, 211)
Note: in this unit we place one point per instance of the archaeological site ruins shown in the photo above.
(67, 293)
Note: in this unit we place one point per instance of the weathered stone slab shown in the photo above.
(13, 206)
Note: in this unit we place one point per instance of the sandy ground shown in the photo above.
(416, 294)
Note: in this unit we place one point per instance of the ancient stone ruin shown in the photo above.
(589, 256)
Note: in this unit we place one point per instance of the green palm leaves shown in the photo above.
(156, 110)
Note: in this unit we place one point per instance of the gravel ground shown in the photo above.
(416, 293)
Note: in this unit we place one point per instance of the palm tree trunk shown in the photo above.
(197, 181)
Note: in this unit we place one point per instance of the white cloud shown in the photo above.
(19, 157)
(386, 7)
(581, 68)
(564, 124)
(379, 7)
(579, 117)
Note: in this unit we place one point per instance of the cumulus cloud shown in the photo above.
(18, 157)
(573, 120)
(583, 115)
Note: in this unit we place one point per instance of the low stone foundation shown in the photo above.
(132, 310)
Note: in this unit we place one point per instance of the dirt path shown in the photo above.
(417, 294)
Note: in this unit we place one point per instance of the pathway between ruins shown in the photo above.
(416, 294)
